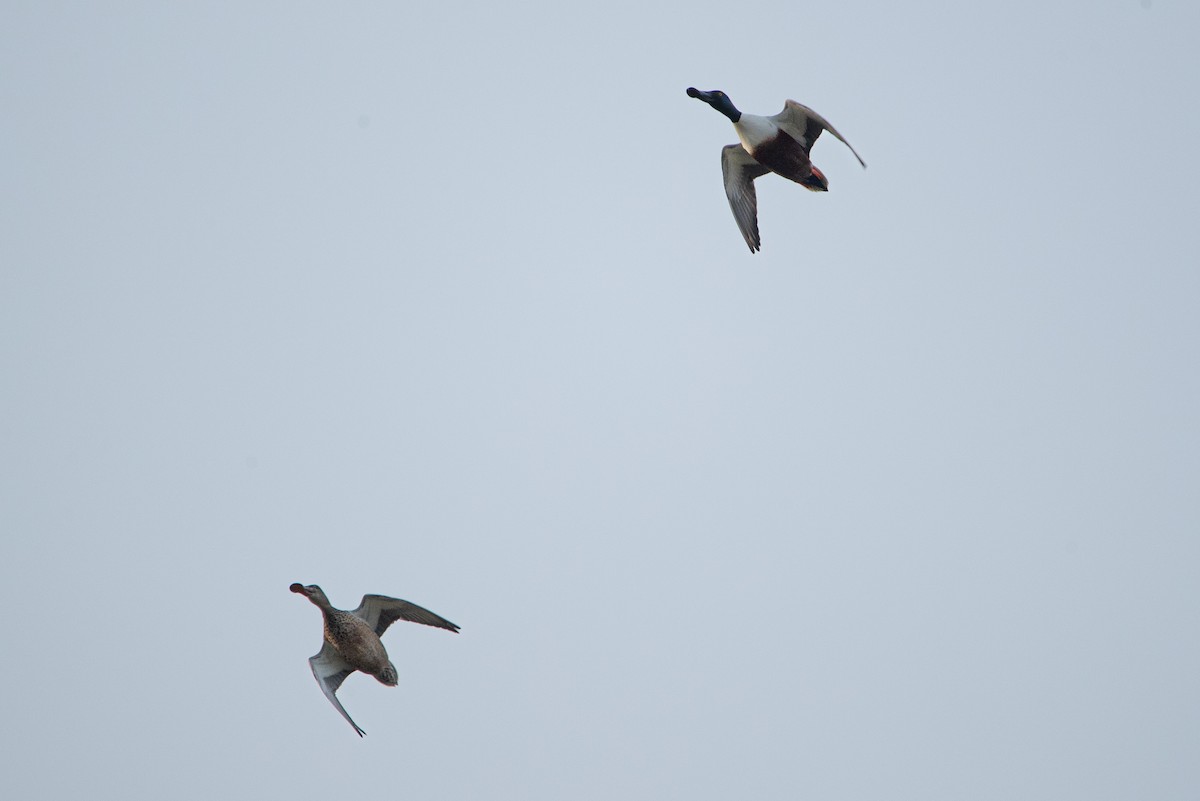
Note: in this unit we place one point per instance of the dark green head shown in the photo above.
(718, 100)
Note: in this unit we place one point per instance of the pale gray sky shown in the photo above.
(444, 301)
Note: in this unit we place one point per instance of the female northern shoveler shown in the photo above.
(778, 144)
(352, 639)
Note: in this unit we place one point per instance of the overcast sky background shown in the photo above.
(444, 301)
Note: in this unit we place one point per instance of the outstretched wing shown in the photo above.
(380, 611)
(805, 125)
(739, 170)
(331, 670)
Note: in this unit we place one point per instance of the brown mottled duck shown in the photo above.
(352, 639)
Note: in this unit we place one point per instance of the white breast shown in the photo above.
(753, 130)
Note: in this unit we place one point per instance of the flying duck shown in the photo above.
(778, 144)
(352, 640)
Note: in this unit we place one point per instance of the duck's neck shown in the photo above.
(727, 108)
(322, 603)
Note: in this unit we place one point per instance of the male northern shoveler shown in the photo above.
(778, 144)
(352, 639)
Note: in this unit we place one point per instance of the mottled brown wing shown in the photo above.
(330, 671)
(380, 611)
